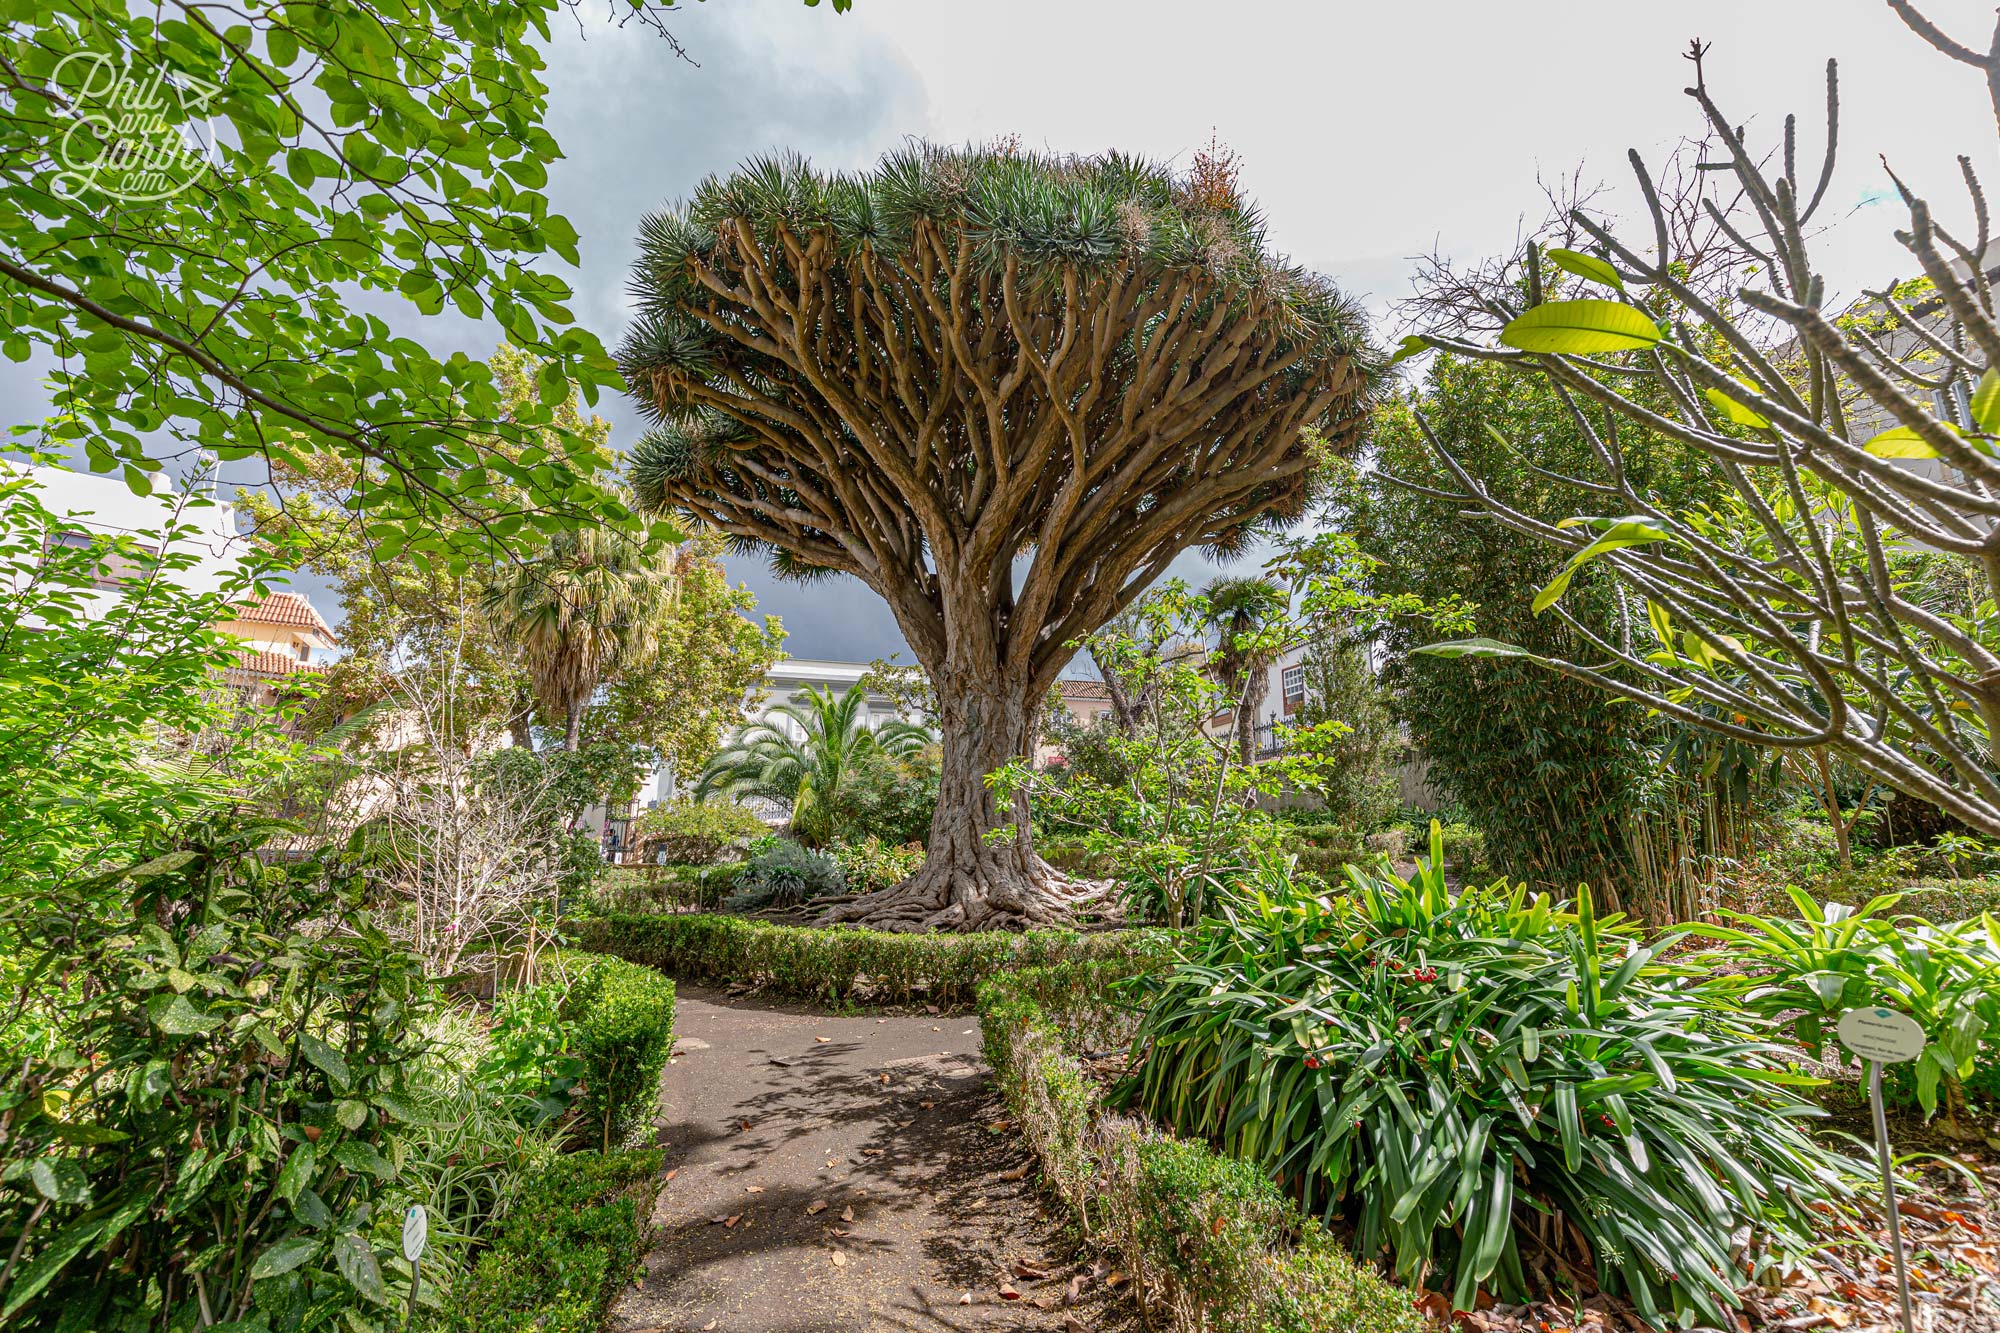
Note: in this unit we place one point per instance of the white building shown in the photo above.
(106, 504)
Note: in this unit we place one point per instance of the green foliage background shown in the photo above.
(1549, 767)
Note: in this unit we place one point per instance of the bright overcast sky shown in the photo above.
(1370, 132)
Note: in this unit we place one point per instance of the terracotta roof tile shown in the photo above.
(269, 663)
(1083, 689)
(284, 608)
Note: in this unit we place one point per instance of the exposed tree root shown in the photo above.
(967, 898)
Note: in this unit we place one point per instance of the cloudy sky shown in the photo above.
(1370, 132)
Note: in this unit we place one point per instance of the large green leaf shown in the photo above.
(1581, 328)
(1476, 647)
(283, 1257)
(1589, 267)
(1986, 403)
(1613, 535)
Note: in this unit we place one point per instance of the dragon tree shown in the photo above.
(1004, 390)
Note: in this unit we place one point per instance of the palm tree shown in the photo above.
(593, 603)
(765, 759)
(1237, 609)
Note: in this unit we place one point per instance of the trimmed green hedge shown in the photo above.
(811, 963)
(1209, 1240)
(570, 1241)
(621, 1022)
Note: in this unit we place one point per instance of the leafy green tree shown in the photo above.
(1002, 389)
(811, 770)
(1341, 686)
(707, 663)
(105, 658)
(214, 298)
(592, 603)
(1552, 770)
(1238, 608)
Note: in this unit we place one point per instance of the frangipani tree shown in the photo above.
(1820, 603)
(1004, 390)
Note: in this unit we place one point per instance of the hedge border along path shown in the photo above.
(832, 965)
(1206, 1238)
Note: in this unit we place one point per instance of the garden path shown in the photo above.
(846, 1174)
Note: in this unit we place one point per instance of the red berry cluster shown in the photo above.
(1424, 974)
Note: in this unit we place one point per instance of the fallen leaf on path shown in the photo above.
(999, 1127)
(925, 1106)
(1071, 1324)
(1022, 1268)
(847, 1214)
(936, 1028)
(871, 1152)
(965, 1299)
(729, 1222)
(816, 1206)
(885, 1078)
(822, 1039)
(1074, 1292)
(753, 1189)
(710, 1324)
(1007, 1292)
(930, 1009)
(743, 1126)
(839, 1259)
(1117, 1279)
(1018, 1173)
(671, 1174)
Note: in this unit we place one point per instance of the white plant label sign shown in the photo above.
(416, 1232)
(1885, 1036)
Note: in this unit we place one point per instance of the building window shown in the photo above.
(116, 566)
(1294, 683)
(1104, 715)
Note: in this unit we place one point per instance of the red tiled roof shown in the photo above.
(1083, 689)
(270, 663)
(284, 608)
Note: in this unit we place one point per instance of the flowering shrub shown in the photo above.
(1489, 1085)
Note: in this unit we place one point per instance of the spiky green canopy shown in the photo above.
(920, 374)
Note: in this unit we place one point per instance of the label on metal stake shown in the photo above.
(1886, 1036)
(416, 1232)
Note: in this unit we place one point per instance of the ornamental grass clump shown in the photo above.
(1491, 1091)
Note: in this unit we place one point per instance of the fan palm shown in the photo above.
(1237, 609)
(803, 752)
(595, 601)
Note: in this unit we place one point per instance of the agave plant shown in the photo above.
(1490, 1086)
(809, 769)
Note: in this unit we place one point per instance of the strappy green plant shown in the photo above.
(1486, 1085)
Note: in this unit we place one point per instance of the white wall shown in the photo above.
(106, 504)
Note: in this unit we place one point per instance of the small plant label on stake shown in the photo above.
(416, 1235)
(1885, 1037)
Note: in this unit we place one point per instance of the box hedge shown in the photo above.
(838, 963)
(571, 1240)
(1210, 1241)
(620, 1021)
